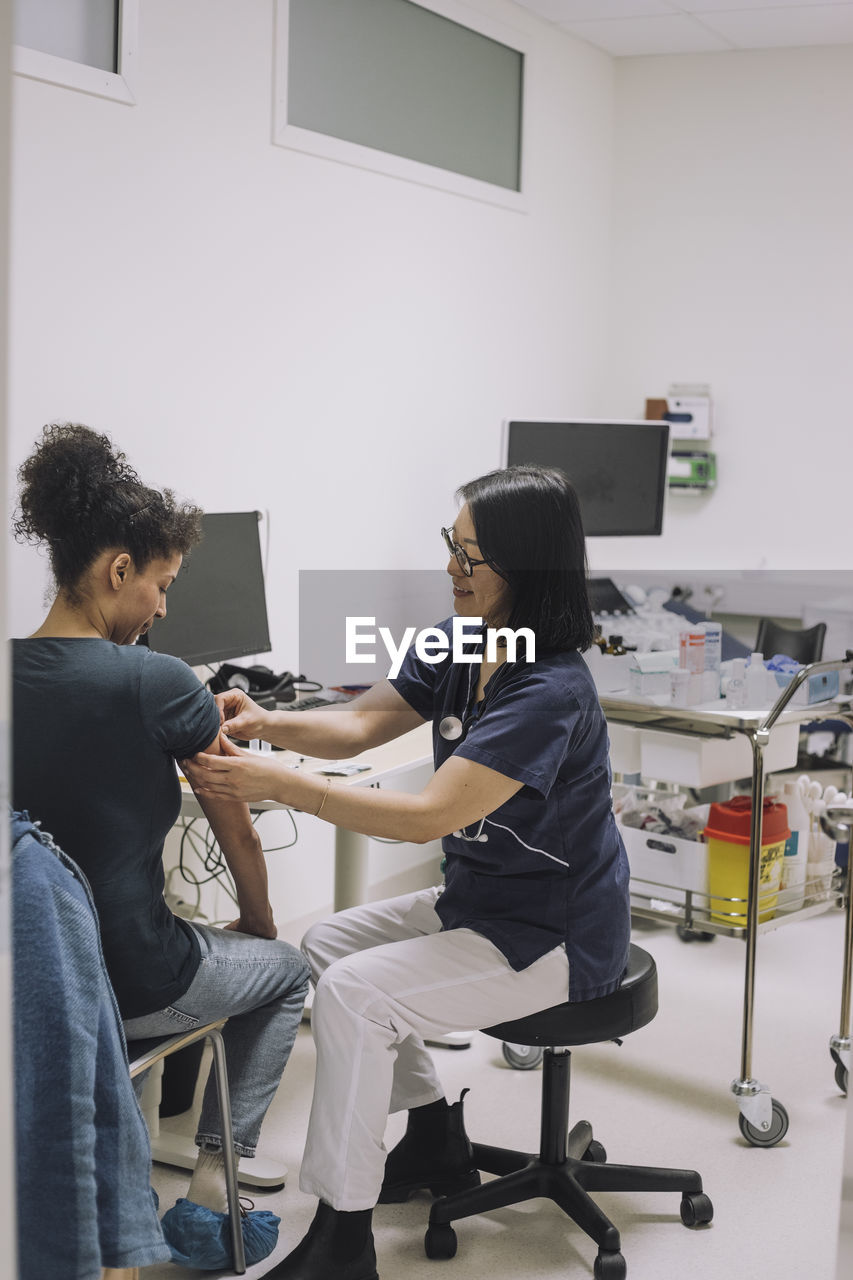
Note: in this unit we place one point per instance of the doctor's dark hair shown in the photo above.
(528, 525)
(79, 496)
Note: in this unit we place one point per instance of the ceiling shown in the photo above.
(631, 28)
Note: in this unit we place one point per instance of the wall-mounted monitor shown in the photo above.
(216, 608)
(618, 468)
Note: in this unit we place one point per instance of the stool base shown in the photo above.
(568, 1168)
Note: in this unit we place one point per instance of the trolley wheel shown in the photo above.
(696, 1210)
(693, 935)
(524, 1057)
(610, 1266)
(766, 1137)
(595, 1153)
(841, 1076)
(440, 1240)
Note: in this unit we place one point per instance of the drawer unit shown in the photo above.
(704, 762)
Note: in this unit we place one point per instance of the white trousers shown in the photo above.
(386, 977)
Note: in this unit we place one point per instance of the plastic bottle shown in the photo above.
(713, 649)
(821, 855)
(756, 681)
(792, 888)
(679, 687)
(736, 687)
(691, 650)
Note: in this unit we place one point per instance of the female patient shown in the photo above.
(98, 723)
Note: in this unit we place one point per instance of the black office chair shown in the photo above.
(805, 645)
(571, 1164)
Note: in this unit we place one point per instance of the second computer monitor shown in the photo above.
(618, 468)
(216, 607)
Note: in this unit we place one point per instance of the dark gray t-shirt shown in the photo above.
(96, 730)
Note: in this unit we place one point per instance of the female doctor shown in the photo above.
(534, 909)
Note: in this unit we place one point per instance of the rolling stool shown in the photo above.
(143, 1054)
(571, 1164)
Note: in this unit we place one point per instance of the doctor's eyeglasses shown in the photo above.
(466, 563)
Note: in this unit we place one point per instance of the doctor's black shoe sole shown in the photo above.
(442, 1184)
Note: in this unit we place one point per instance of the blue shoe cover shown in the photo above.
(200, 1237)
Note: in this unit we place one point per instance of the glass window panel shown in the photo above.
(84, 31)
(391, 75)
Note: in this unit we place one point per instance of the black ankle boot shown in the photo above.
(434, 1153)
(338, 1246)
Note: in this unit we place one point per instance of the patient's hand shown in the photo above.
(257, 928)
(239, 716)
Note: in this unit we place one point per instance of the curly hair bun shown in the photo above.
(67, 480)
(80, 496)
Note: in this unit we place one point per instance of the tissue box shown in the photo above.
(817, 688)
(609, 671)
(648, 674)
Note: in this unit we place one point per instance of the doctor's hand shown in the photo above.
(236, 774)
(239, 716)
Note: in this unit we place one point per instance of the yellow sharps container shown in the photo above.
(727, 837)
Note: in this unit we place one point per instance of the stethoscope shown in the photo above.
(452, 728)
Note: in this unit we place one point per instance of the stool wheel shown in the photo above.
(595, 1153)
(523, 1057)
(440, 1240)
(696, 1210)
(610, 1266)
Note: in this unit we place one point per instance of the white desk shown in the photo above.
(390, 760)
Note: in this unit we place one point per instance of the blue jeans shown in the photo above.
(259, 985)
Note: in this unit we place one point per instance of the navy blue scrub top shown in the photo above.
(549, 866)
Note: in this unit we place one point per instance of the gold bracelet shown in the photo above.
(325, 797)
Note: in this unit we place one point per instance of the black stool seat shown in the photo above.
(571, 1164)
(630, 1007)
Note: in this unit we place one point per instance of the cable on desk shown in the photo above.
(207, 851)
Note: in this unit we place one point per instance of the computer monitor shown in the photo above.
(216, 607)
(618, 468)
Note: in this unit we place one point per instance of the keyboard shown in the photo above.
(310, 703)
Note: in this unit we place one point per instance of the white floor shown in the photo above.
(662, 1098)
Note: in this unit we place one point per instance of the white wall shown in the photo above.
(261, 328)
(733, 264)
